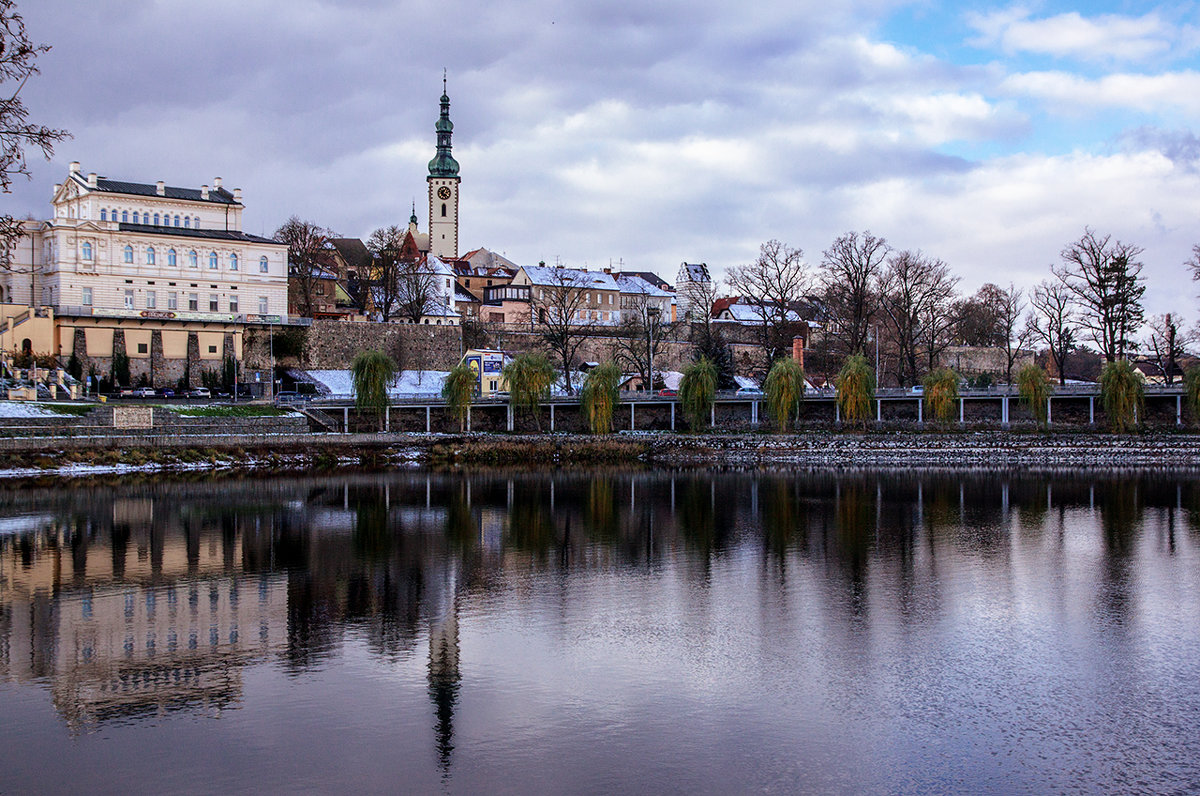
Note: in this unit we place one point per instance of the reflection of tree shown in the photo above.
(461, 527)
(530, 526)
(782, 518)
(855, 526)
(600, 514)
(697, 516)
(373, 538)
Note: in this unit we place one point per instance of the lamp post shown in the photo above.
(651, 312)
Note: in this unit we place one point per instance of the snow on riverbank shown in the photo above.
(340, 383)
(20, 409)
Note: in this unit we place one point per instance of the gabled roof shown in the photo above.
(639, 286)
(203, 234)
(460, 294)
(649, 276)
(554, 276)
(353, 251)
(696, 272)
(218, 196)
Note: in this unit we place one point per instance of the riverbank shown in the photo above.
(967, 449)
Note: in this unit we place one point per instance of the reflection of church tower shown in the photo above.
(443, 188)
(444, 678)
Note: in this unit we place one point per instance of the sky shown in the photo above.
(646, 134)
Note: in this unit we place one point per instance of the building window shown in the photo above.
(150, 256)
(129, 254)
(151, 299)
(124, 216)
(143, 348)
(156, 219)
(193, 259)
(193, 302)
(87, 297)
(176, 220)
(171, 259)
(87, 250)
(233, 262)
(212, 261)
(443, 209)
(128, 299)
(262, 265)
(135, 217)
(262, 305)
(196, 222)
(103, 214)
(233, 304)
(172, 300)
(214, 302)
(187, 221)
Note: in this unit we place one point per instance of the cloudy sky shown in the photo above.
(987, 134)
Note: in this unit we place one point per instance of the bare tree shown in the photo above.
(18, 62)
(774, 285)
(915, 293)
(416, 288)
(1193, 264)
(1052, 322)
(1104, 277)
(309, 259)
(641, 339)
(851, 267)
(558, 309)
(1165, 345)
(384, 245)
(1016, 336)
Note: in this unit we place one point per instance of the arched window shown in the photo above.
(103, 214)
(196, 222)
(233, 262)
(187, 221)
(128, 254)
(171, 257)
(124, 216)
(150, 256)
(176, 220)
(156, 219)
(212, 261)
(193, 259)
(136, 217)
(87, 250)
(443, 209)
(263, 267)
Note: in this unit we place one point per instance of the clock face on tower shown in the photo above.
(443, 192)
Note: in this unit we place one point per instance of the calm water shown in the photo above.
(603, 632)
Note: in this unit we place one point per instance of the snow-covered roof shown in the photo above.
(553, 276)
(751, 314)
(639, 286)
(695, 272)
(340, 383)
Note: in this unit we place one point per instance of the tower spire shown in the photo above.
(443, 163)
(413, 218)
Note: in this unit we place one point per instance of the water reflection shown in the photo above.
(129, 603)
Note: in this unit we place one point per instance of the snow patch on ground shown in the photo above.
(18, 409)
(340, 383)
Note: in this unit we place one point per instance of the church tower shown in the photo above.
(443, 188)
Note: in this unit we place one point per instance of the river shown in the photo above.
(602, 631)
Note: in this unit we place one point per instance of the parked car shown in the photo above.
(754, 391)
(143, 392)
(166, 392)
(918, 389)
(199, 392)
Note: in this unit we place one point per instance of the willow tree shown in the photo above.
(373, 371)
(784, 388)
(697, 390)
(1122, 394)
(856, 390)
(941, 393)
(1191, 389)
(1035, 389)
(599, 397)
(529, 377)
(457, 391)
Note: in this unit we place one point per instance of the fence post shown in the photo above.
(551, 418)
(345, 420)
(428, 428)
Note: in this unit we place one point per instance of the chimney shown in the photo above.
(92, 180)
(74, 167)
(237, 194)
(203, 191)
(160, 188)
(798, 350)
(608, 271)
(217, 183)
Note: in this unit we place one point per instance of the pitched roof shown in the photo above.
(218, 196)
(203, 234)
(353, 251)
(636, 284)
(696, 272)
(649, 276)
(554, 276)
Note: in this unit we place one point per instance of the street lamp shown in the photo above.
(651, 312)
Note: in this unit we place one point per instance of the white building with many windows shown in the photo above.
(169, 268)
